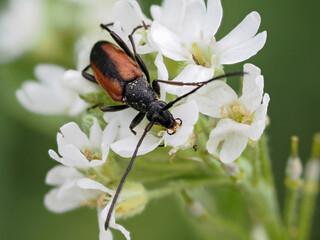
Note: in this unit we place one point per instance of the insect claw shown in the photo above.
(171, 131)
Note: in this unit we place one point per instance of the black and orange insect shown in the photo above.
(125, 77)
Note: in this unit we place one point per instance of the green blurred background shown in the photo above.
(289, 62)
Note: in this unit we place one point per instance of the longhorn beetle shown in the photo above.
(126, 79)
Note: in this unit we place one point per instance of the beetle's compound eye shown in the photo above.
(162, 104)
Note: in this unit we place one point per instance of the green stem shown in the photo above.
(266, 168)
(309, 193)
(290, 211)
(307, 210)
(186, 184)
(259, 205)
(205, 221)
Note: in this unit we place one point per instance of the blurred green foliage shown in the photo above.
(289, 63)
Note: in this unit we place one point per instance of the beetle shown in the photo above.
(125, 77)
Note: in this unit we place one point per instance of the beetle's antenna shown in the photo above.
(170, 104)
(116, 195)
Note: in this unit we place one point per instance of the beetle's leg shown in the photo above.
(88, 76)
(156, 87)
(137, 119)
(136, 55)
(118, 39)
(113, 108)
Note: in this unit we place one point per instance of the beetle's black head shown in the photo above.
(161, 116)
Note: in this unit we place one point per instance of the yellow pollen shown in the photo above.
(198, 54)
(101, 199)
(237, 112)
(90, 155)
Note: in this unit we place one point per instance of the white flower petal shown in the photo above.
(252, 88)
(29, 15)
(74, 81)
(48, 73)
(170, 12)
(73, 135)
(112, 222)
(168, 42)
(162, 74)
(191, 73)
(129, 14)
(232, 147)
(103, 234)
(73, 157)
(87, 183)
(59, 204)
(110, 132)
(189, 114)
(42, 99)
(213, 18)
(245, 50)
(58, 175)
(192, 23)
(235, 137)
(83, 48)
(125, 147)
(95, 135)
(260, 118)
(55, 156)
(243, 32)
(211, 97)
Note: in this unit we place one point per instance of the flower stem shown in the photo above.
(310, 190)
(204, 220)
(266, 161)
(293, 184)
(263, 211)
(186, 184)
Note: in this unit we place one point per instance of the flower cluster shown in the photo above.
(183, 31)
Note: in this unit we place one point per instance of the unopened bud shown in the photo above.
(313, 165)
(133, 200)
(232, 169)
(196, 209)
(294, 168)
(294, 146)
(259, 233)
(313, 170)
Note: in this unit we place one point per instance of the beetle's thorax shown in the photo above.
(138, 94)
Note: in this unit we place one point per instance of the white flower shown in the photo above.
(58, 90)
(67, 195)
(102, 214)
(187, 112)
(37, 25)
(21, 24)
(73, 190)
(185, 30)
(240, 118)
(132, 200)
(127, 16)
(77, 150)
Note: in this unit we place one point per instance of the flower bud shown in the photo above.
(196, 209)
(133, 200)
(294, 165)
